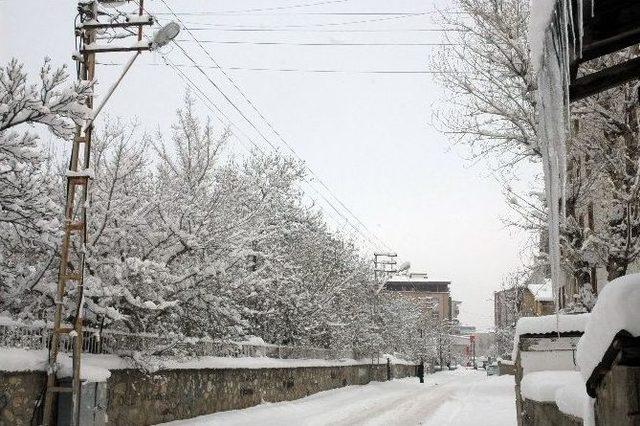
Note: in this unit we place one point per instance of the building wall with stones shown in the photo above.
(138, 398)
(535, 413)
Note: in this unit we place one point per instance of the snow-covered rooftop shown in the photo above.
(542, 292)
(414, 277)
(552, 324)
(617, 309)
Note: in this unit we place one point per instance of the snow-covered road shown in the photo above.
(457, 398)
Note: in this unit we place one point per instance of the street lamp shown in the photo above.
(161, 38)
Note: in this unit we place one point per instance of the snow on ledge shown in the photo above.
(92, 369)
(552, 324)
(547, 324)
(95, 368)
(541, 386)
(617, 309)
(572, 398)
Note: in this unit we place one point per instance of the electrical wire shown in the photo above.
(295, 6)
(334, 44)
(347, 30)
(208, 103)
(235, 85)
(320, 71)
(255, 145)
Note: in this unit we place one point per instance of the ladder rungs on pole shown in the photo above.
(59, 389)
(78, 180)
(76, 226)
(73, 277)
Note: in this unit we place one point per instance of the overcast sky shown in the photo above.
(367, 136)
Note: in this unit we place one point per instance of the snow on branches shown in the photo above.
(28, 211)
(187, 240)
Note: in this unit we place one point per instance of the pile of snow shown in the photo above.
(617, 309)
(566, 388)
(14, 359)
(572, 397)
(539, 20)
(93, 368)
(552, 324)
(547, 324)
(541, 386)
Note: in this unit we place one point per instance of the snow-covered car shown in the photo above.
(492, 369)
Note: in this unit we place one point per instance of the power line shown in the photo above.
(319, 71)
(266, 121)
(190, 82)
(317, 25)
(213, 13)
(203, 96)
(267, 9)
(334, 44)
(347, 30)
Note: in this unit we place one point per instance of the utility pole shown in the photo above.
(384, 264)
(73, 249)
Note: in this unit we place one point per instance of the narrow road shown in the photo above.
(457, 398)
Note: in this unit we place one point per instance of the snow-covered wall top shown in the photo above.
(617, 309)
(551, 324)
(540, 15)
(541, 386)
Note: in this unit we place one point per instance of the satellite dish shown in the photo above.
(164, 35)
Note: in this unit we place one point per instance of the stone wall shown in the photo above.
(536, 413)
(137, 398)
(19, 394)
(618, 397)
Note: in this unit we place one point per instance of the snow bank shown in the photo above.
(572, 397)
(617, 308)
(212, 362)
(14, 359)
(540, 15)
(552, 324)
(541, 386)
(94, 368)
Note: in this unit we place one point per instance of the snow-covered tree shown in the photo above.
(29, 214)
(487, 72)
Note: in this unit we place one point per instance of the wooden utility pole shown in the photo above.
(73, 249)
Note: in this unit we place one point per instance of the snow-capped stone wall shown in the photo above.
(138, 397)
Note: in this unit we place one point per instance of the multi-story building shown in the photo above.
(432, 294)
(530, 300)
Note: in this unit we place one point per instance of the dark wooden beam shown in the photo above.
(603, 47)
(597, 82)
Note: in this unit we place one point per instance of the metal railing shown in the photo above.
(38, 336)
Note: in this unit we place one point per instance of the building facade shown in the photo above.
(432, 294)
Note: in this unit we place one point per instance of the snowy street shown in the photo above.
(461, 397)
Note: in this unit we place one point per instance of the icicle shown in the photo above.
(553, 130)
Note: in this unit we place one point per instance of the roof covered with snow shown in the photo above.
(617, 309)
(552, 324)
(542, 292)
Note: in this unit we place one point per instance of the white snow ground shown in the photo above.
(456, 398)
